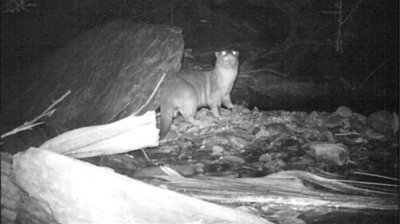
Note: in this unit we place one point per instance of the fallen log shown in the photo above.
(57, 177)
(78, 192)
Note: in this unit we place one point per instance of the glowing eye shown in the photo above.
(235, 52)
(223, 52)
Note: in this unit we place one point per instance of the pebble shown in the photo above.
(344, 111)
(233, 159)
(217, 150)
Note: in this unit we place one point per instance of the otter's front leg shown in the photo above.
(215, 110)
(226, 101)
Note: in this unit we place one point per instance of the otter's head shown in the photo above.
(228, 59)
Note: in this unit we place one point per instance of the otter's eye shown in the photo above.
(223, 52)
(235, 52)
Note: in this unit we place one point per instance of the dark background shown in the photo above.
(357, 61)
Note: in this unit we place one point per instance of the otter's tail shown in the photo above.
(165, 121)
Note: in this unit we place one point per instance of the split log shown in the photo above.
(78, 192)
(124, 135)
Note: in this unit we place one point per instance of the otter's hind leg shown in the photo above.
(188, 111)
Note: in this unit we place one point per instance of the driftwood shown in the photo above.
(17, 205)
(60, 182)
(286, 188)
(111, 70)
(124, 135)
(77, 192)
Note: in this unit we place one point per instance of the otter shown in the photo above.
(188, 90)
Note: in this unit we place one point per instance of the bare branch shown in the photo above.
(30, 124)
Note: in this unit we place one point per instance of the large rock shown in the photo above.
(111, 70)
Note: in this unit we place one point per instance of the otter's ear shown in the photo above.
(216, 54)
